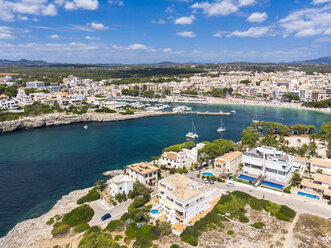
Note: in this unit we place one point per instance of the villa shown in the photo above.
(120, 184)
(143, 172)
(322, 164)
(275, 166)
(228, 163)
(183, 159)
(320, 186)
(183, 200)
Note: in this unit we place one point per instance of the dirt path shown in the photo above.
(289, 238)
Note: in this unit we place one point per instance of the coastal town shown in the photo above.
(284, 88)
(177, 193)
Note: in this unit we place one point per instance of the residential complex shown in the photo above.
(183, 199)
(228, 163)
(143, 172)
(120, 184)
(319, 186)
(324, 165)
(183, 159)
(267, 162)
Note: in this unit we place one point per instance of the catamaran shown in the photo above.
(193, 134)
(222, 127)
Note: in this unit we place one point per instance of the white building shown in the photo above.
(35, 84)
(121, 184)
(268, 162)
(323, 164)
(183, 159)
(143, 172)
(182, 198)
(228, 163)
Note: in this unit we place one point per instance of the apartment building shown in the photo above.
(183, 159)
(143, 172)
(320, 164)
(268, 162)
(35, 84)
(182, 198)
(120, 184)
(228, 163)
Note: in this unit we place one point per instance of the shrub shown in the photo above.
(329, 202)
(81, 227)
(118, 237)
(257, 204)
(258, 225)
(281, 216)
(50, 221)
(127, 240)
(287, 190)
(79, 215)
(61, 230)
(230, 232)
(190, 239)
(286, 211)
(175, 246)
(96, 240)
(243, 219)
(92, 195)
(115, 225)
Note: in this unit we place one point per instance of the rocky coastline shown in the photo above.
(63, 119)
(27, 232)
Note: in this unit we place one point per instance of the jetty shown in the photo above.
(198, 113)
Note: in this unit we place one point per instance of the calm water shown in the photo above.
(40, 165)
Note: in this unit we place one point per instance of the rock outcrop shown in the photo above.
(62, 119)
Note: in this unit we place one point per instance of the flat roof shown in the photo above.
(229, 157)
(171, 155)
(142, 168)
(321, 162)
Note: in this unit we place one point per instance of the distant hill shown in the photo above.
(317, 61)
(23, 62)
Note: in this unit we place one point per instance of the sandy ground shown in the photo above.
(321, 146)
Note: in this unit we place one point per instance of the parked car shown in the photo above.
(106, 216)
(205, 180)
(151, 189)
(211, 181)
(230, 184)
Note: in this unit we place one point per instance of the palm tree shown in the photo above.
(299, 141)
(287, 143)
(100, 184)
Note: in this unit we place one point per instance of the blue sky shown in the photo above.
(149, 31)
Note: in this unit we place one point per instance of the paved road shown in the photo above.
(298, 203)
(101, 209)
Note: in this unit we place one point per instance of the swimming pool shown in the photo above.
(154, 211)
(272, 185)
(246, 178)
(207, 174)
(308, 195)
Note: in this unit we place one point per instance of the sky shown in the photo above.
(151, 31)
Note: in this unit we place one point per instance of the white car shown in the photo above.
(230, 184)
(205, 180)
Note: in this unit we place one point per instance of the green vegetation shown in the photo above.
(175, 246)
(95, 238)
(233, 206)
(118, 237)
(120, 197)
(50, 221)
(189, 92)
(258, 225)
(79, 215)
(246, 81)
(230, 232)
(127, 92)
(92, 195)
(319, 104)
(290, 97)
(179, 147)
(115, 225)
(220, 92)
(10, 91)
(81, 227)
(60, 230)
(148, 93)
(104, 110)
(216, 148)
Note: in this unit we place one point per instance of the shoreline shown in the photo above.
(27, 232)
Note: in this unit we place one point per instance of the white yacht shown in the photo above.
(222, 127)
(86, 127)
(233, 111)
(182, 108)
(193, 134)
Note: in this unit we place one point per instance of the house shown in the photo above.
(143, 172)
(273, 165)
(228, 163)
(322, 164)
(320, 186)
(183, 159)
(120, 184)
(182, 199)
(35, 84)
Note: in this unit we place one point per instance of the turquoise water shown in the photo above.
(247, 178)
(308, 195)
(38, 166)
(208, 174)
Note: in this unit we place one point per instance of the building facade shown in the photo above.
(143, 172)
(228, 163)
(121, 184)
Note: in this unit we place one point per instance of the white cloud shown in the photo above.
(167, 50)
(187, 34)
(185, 20)
(244, 3)
(170, 9)
(218, 35)
(49, 10)
(257, 17)
(6, 33)
(97, 26)
(253, 32)
(86, 4)
(137, 47)
(55, 36)
(307, 22)
(22, 18)
(160, 21)
(91, 38)
(116, 2)
(223, 8)
(316, 2)
(70, 6)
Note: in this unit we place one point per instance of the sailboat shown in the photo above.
(255, 120)
(193, 134)
(222, 127)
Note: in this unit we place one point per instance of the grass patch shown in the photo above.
(92, 195)
(115, 225)
(258, 225)
(60, 230)
(79, 215)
